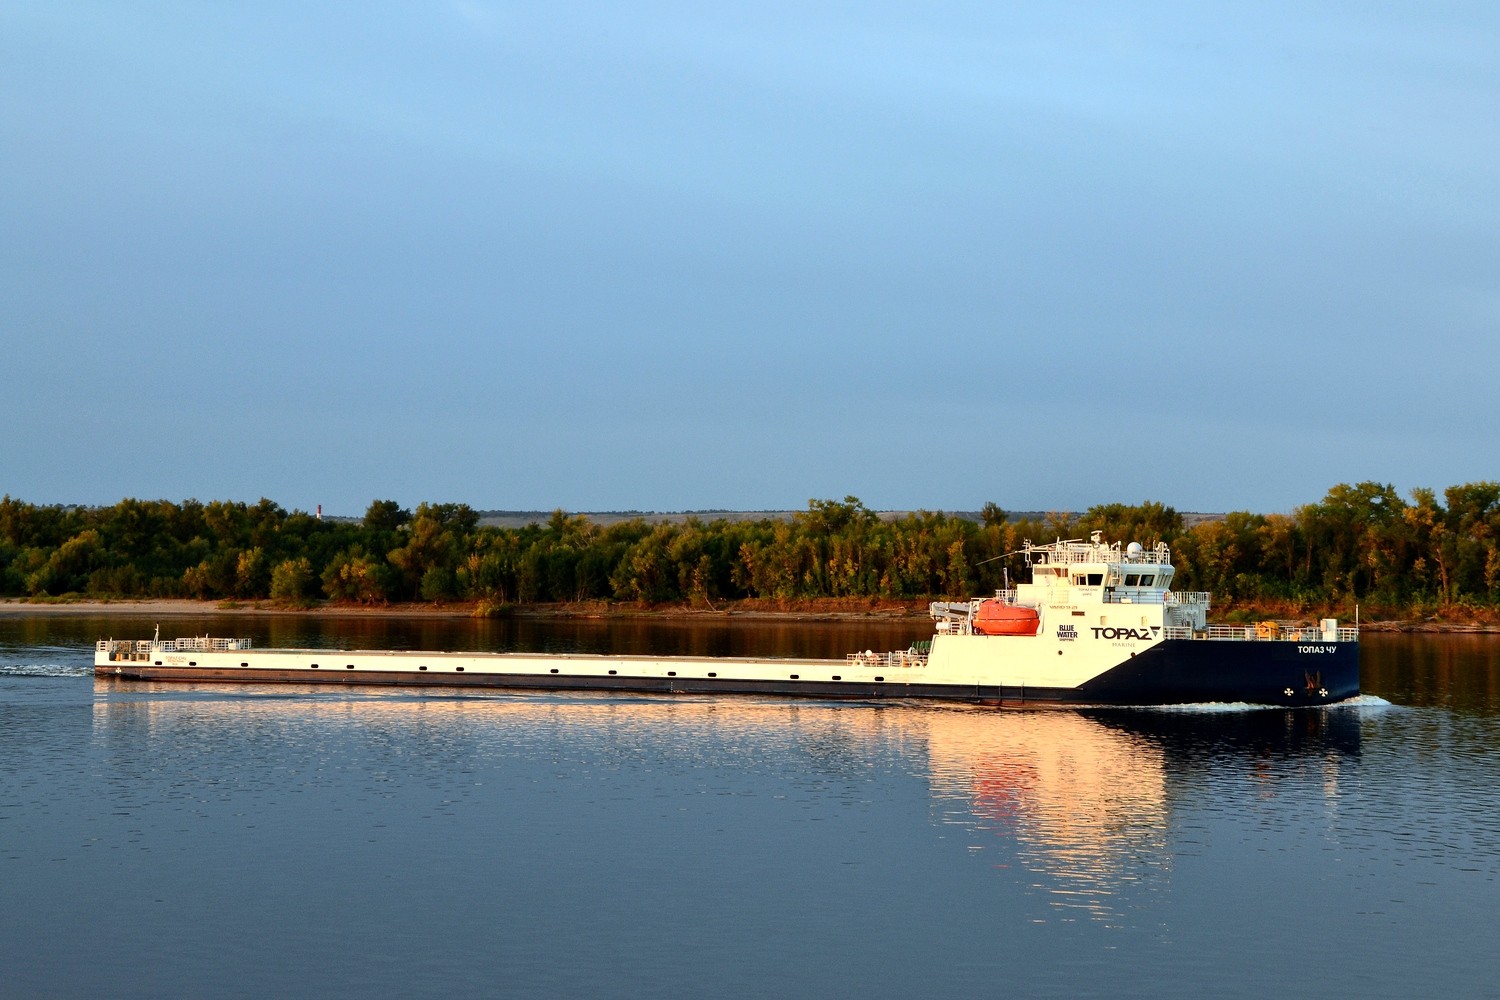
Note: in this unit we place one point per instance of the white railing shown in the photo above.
(192, 644)
(895, 661)
(1184, 597)
(199, 644)
(124, 645)
(1074, 551)
(1261, 633)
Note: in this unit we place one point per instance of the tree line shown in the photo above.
(1359, 543)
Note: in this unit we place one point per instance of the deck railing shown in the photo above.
(894, 661)
(1064, 553)
(1265, 632)
(1194, 597)
(192, 644)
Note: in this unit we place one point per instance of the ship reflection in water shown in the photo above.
(1077, 806)
(1086, 797)
(1085, 805)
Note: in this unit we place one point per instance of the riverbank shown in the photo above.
(811, 610)
(829, 609)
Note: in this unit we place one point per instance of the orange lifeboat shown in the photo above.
(994, 618)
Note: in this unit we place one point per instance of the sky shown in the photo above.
(683, 256)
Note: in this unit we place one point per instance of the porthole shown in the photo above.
(459, 669)
(880, 678)
(671, 673)
(837, 677)
(796, 677)
(611, 673)
(422, 667)
(348, 666)
(712, 674)
(192, 663)
(243, 664)
(554, 670)
(315, 666)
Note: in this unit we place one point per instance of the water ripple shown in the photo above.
(44, 670)
(385, 843)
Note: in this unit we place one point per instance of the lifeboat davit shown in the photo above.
(994, 618)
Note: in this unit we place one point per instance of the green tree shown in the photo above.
(292, 580)
(1147, 523)
(68, 567)
(354, 575)
(252, 573)
(1473, 526)
(385, 516)
(1350, 534)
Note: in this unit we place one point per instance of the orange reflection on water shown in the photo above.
(1085, 804)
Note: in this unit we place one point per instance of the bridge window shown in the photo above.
(1095, 579)
(1132, 579)
(1147, 580)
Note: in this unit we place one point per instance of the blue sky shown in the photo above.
(669, 256)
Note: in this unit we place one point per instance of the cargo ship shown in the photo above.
(1098, 623)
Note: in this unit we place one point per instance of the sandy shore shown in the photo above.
(184, 608)
(770, 611)
(789, 611)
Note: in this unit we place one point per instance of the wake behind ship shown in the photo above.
(1097, 624)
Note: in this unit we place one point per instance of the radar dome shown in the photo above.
(1134, 550)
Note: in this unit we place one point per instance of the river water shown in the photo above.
(199, 840)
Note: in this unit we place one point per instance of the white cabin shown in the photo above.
(1095, 584)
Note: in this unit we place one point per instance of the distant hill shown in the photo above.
(604, 518)
(521, 518)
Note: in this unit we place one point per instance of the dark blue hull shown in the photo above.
(1180, 671)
